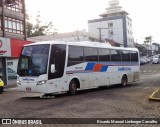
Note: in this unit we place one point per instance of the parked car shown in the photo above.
(146, 58)
(155, 60)
(142, 61)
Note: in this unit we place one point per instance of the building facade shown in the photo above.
(12, 19)
(74, 36)
(12, 34)
(114, 24)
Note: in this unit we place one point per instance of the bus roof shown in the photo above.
(84, 43)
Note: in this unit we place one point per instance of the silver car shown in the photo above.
(155, 60)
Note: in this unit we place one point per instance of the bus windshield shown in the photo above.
(33, 60)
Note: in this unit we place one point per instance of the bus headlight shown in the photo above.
(18, 82)
(41, 82)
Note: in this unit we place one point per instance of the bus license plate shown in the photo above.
(28, 88)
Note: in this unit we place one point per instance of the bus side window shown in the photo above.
(91, 54)
(125, 56)
(75, 55)
(115, 55)
(134, 56)
(104, 54)
(57, 57)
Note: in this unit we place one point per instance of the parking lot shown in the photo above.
(105, 102)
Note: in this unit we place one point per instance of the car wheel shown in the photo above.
(1, 90)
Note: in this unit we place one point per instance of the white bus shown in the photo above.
(55, 67)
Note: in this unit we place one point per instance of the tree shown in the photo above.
(148, 40)
(38, 29)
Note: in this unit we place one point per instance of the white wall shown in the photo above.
(117, 29)
(73, 38)
(129, 31)
(14, 65)
(154, 47)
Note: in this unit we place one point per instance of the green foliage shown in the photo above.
(148, 40)
(38, 29)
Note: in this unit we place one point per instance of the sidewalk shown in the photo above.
(11, 84)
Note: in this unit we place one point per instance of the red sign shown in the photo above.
(16, 46)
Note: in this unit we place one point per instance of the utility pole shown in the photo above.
(4, 59)
(100, 29)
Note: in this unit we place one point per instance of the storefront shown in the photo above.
(9, 50)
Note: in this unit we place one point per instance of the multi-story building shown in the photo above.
(68, 37)
(12, 32)
(114, 24)
(12, 19)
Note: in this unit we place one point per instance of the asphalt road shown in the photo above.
(105, 102)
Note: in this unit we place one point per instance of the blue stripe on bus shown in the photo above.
(89, 67)
(104, 68)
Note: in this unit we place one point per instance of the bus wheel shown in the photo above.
(72, 88)
(1, 90)
(124, 80)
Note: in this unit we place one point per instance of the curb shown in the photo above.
(11, 89)
(153, 96)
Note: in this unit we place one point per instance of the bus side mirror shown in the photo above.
(53, 68)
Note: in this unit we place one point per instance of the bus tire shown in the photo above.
(72, 88)
(124, 81)
(1, 90)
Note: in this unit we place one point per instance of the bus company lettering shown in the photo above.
(124, 69)
(27, 79)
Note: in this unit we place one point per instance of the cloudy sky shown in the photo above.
(70, 15)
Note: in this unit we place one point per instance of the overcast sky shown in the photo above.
(70, 15)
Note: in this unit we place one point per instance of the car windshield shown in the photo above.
(33, 60)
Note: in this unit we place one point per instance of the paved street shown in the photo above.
(111, 102)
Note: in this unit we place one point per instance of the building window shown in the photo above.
(14, 5)
(110, 32)
(128, 23)
(13, 25)
(110, 25)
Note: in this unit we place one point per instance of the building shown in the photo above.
(114, 24)
(12, 33)
(152, 49)
(68, 37)
(12, 19)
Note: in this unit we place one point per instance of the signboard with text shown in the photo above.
(5, 47)
(10, 47)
